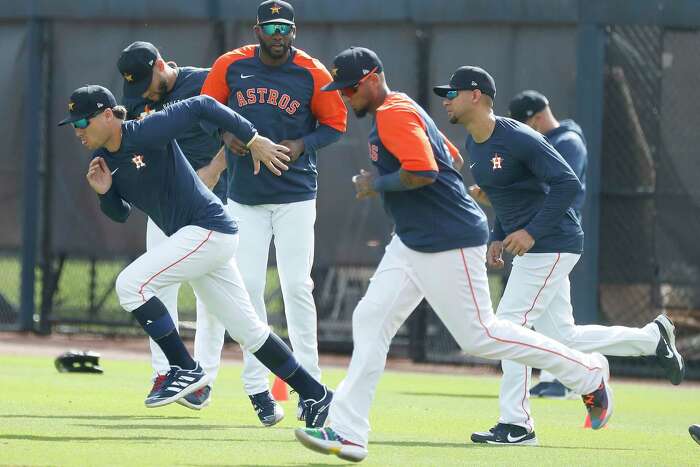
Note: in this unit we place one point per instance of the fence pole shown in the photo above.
(32, 176)
(590, 70)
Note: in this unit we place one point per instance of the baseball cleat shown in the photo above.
(301, 410)
(268, 410)
(327, 441)
(599, 403)
(316, 412)
(197, 400)
(666, 352)
(506, 434)
(552, 390)
(179, 383)
(157, 384)
(695, 432)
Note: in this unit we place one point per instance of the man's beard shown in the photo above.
(360, 113)
(454, 120)
(269, 51)
(162, 90)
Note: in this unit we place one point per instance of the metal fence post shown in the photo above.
(590, 63)
(32, 176)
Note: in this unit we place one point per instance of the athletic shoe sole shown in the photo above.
(348, 453)
(185, 403)
(694, 431)
(188, 390)
(670, 339)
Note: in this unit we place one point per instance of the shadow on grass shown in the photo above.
(155, 427)
(100, 417)
(437, 444)
(444, 394)
(146, 439)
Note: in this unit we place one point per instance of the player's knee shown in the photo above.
(255, 287)
(127, 289)
(297, 286)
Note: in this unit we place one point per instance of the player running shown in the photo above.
(138, 163)
(151, 84)
(438, 253)
(532, 189)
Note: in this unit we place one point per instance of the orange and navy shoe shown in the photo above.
(327, 441)
(599, 405)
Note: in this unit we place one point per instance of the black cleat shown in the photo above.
(268, 410)
(316, 412)
(178, 383)
(197, 400)
(506, 434)
(695, 432)
(666, 352)
(551, 390)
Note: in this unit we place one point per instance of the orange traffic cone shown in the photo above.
(279, 390)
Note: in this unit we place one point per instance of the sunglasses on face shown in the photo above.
(85, 121)
(349, 92)
(272, 29)
(451, 94)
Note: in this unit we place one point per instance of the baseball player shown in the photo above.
(151, 84)
(277, 87)
(531, 189)
(138, 163)
(437, 253)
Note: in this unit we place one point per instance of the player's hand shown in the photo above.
(98, 176)
(479, 195)
(519, 242)
(296, 148)
(363, 185)
(236, 146)
(272, 155)
(494, 255)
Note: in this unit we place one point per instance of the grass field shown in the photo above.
(418, 419)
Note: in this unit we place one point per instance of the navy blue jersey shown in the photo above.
(436, 217)
(198, 146)
(283, 102)
(569, 141)
(530, 186)
(150, 172)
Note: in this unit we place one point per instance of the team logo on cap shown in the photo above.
(71, 106)
(129, 77)
(275, 9)
(496, 160)
(138, 161)
(334, 72)
(474, 83)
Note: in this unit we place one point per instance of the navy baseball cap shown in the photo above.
(526, 104)
(469, 78)
(87, 101)
(275, 11)
(351, 65)
(136, 67)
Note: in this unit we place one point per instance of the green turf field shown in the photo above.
(418, 419)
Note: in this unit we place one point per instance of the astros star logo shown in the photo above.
(138, 161)
(129, 77)
(496, 161)
(275, 9)
(71, 106)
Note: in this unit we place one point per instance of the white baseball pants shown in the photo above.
(209, 336)
(205, 259)
(455, 284)
(538, 294)
(292, 226)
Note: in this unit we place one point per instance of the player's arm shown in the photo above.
(457, 159)
(210, 173)
(494, 253)
(215, 85)
(100, 179)
(402, 132)
(161, 127)
(574, 152)
(549, 167)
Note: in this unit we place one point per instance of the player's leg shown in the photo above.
(255, 233)
(189, 253)
(532, 286)
(225, 296)
(460, 296)
(391, 297)
(293, 227)
(620, 341)
(167, 295)
(208, 343)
